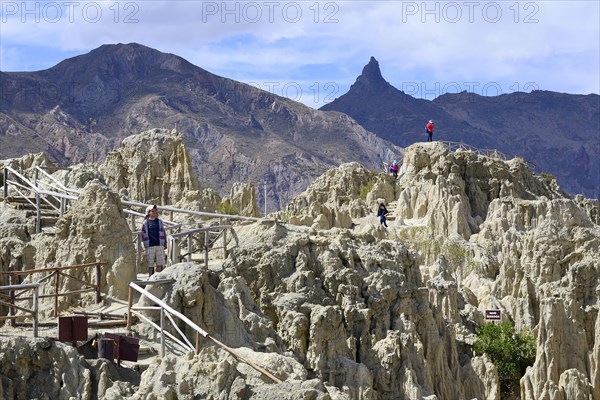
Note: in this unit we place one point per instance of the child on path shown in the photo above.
(155, 240)
(381, 213)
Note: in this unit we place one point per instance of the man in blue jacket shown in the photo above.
(155, 240)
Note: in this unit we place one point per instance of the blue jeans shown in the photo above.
(382, 220)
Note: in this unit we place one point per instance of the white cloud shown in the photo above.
(553, 43)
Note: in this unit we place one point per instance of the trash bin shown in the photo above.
(106, 349)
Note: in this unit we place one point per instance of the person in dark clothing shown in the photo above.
(155, 240)
(429, 129)
(381, 213)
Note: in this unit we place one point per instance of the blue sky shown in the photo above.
(312, 51)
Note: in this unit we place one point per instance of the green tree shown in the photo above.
(510, 351)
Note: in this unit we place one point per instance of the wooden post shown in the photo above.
(98, 284)
(197, 342)
(35, 311)
(129, 304)
(38, 219)
(162, 333)
(11, 310)
(138, 254)
(56, 273)
(5, 183)
(224, 243)
(189, 256)
(206, 249)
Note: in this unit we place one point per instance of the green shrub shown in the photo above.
(226, 208)
(547, 177)
(510, 352)
(364, 190)
(456, 255)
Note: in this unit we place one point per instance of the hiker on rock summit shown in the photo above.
(429, 129)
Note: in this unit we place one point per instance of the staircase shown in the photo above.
(391, 207)
(48, 215)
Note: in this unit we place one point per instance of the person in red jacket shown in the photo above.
(429, 129)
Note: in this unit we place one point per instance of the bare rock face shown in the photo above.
(243, 199)
(77, 176)
(351, 308)
(451, 191)
(24, 371)
(154, 167)
(28, 161)
(369, 313)
(93, 229)
(334, 198)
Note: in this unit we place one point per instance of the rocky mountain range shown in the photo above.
(82, 108)
(558, 132)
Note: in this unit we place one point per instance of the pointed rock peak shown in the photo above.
(371, 77)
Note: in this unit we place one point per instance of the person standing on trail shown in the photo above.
(155, 240)
(394, 169)
(429, 129)
(381, 213)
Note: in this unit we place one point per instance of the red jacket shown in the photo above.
(429, 127)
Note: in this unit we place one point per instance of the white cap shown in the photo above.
(149, 208)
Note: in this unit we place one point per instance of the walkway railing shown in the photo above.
(25, 188)
(57, 273)
(182, 340)
(9, 301)
(201, 236)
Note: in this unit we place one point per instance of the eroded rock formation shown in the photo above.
(342, 308)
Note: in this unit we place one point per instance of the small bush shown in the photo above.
(510, 352)
(226, 208)
(547, 177)
(364, 190)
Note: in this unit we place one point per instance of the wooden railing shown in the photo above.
(9, 301)
(182, 340)
(201, 236)
(57, 273)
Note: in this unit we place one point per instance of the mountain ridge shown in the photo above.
(82, 108)
(542, 126)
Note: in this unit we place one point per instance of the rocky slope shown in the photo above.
(341, 308)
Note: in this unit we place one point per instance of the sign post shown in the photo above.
(493, 315)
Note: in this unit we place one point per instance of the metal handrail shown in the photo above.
(190, 212)
(199, 331)
(53, 179)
